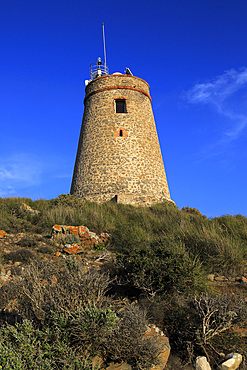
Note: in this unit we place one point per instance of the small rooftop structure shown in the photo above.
(98, 69)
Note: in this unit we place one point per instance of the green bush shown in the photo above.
(91, 327)
(24, 347)
(162, 266)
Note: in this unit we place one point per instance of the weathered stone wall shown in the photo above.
(107, 164)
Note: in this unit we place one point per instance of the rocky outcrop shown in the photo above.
(69, 249)
(2, 234)
(29, 209)
(87, 238)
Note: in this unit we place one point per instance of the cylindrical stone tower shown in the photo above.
(118, 155)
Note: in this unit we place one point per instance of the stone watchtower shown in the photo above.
(118, 155)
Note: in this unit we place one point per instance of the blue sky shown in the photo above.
(192, 53)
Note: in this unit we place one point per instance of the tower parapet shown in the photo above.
(118, 154)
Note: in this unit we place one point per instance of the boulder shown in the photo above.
(29, 209)
(164, 343)
(72, 249)
(232, 361)
(201, 363)
(87, 238)
(2, 234)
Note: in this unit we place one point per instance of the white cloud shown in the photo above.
(28, 173)
(228, 94)
(19, 171)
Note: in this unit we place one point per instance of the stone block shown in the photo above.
(201, 363)
(233, 361)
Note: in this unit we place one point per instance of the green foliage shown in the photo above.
(186, 239)
(91, 327)
(25, 347)
(161, 266)
(99, 247)
(163, 251)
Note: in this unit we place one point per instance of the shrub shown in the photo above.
(217, 314)
(46, 287)
(45, 249)
(91, 326)
(192, 211)
(27, 243)
(161, 267)
(24, 347)
(21, 255)
(127, 342)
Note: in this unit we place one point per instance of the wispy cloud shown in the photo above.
(19, 172)
(228, 94)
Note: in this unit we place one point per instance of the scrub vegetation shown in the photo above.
(65, 317)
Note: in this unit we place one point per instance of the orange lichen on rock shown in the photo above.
(87, 238)
(58, 254)
(72, 230)
(72, 248)
(4, 275)
(2, 233)
(29, 209)
(164, 345)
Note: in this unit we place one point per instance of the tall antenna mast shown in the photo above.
(103, 26)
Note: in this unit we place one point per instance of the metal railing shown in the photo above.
(98, 69)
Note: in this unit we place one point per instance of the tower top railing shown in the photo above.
(98, 69)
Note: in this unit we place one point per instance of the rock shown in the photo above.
(59, 254)
(2, 234)
(211, 277)
(220, 278)
(201, 363)
(233, 360)
(164, 342)
(87, 238)
(243, 280)
(72, 249)
(29, 209)
(4, 275)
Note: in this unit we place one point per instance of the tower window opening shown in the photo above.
(120, 105)
(121, 133)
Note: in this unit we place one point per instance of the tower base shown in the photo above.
(132, 199)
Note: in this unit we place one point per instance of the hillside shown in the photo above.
(161, 266)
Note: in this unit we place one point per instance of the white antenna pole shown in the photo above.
(103, 26)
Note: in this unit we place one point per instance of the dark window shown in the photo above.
(121, 133)
(120, 106)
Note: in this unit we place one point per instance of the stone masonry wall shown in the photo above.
(129, 164)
